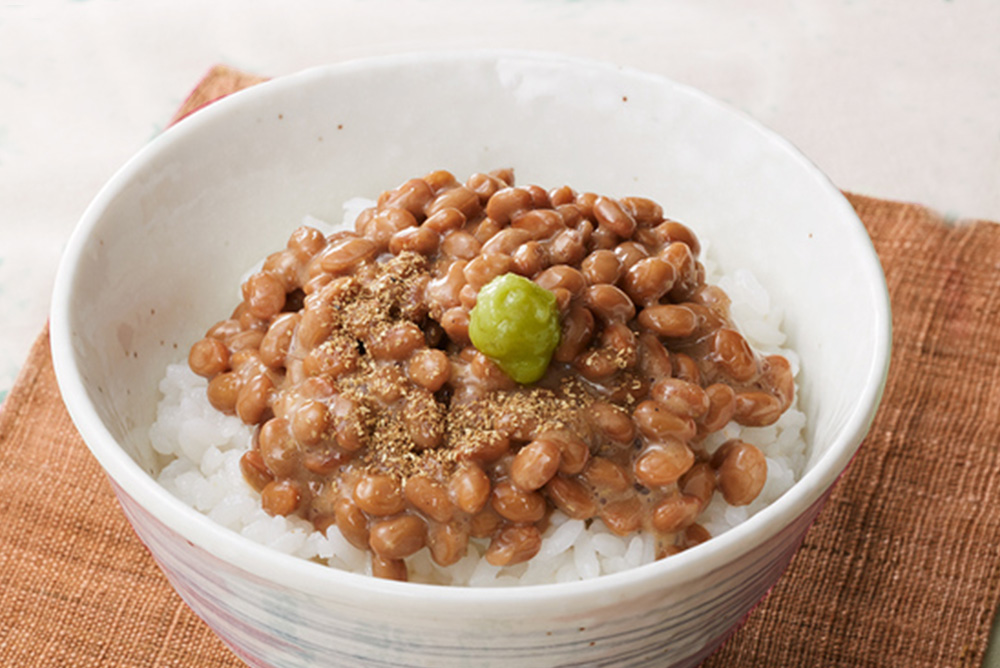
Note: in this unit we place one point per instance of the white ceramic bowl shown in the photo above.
(211, 195)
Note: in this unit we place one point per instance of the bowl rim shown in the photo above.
(330, 583)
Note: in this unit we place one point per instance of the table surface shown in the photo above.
(899, 100)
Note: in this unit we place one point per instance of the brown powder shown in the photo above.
(392, 408)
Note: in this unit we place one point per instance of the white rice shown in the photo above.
(205, 448)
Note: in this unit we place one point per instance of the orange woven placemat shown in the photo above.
(901, 568)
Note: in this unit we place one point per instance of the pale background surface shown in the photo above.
(894, 99)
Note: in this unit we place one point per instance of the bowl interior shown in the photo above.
(158, 256)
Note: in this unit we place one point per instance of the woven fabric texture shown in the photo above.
(902, 567)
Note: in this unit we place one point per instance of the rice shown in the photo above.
(204, 447)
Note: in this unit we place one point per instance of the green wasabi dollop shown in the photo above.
(515, 322)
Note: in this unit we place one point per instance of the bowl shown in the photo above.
(225, 186)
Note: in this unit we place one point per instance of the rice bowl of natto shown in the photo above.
(158, 255)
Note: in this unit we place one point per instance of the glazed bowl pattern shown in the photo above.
(199, 205)
(267, 624)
